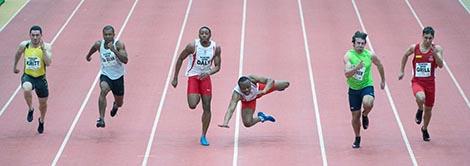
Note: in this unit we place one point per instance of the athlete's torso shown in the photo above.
(111, 66)
(201, 60)
(424, 64)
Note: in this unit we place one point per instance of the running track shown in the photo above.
(299, 41)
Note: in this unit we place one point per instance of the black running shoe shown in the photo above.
(100, 123)
(419, 116)
(426, 136)
(29, 118)
(365, 122)
(357, 143)
(114, 110)
(40, 127)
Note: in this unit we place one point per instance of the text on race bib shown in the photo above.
(359, 75)
(33, 63)
(108, 60)
(423, 70)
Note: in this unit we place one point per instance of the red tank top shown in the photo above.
(423, 65)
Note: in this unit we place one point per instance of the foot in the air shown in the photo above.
(357, 143)
(100, 123)
(365, 122)
(29, 118)
(419, 116)
(264, 117)
(426, 136)
(114, 110)
(204, 141)
(40, 127)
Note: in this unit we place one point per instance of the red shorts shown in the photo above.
(252, 104)
(197, 86)
(429, 89)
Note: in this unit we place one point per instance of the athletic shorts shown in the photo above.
(39, 84)
(429, 89)
(356, 96)
(117, 85)
(197, 86)
(252, 104)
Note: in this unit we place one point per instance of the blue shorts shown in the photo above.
(356, 96)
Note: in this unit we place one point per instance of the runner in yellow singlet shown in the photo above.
(37, 56)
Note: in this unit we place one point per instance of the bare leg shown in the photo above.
(193, 100)
(247, 117)
(206, 115)
(102, 99)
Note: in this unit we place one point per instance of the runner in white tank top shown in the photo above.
(202, 53)
(113, 56)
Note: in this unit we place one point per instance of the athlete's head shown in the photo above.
(108, 33)
(35, 33)
(205, 33)
(428, 36)
(359, 40)
(245, 85)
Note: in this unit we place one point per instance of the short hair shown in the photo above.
(428, 30)
(243, 79)
(108, 27)
(205, 27)
(360, 35)
(35, 28)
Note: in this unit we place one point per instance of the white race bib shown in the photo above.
(423, 70)
(360, 74)
(108, 59)
(33, 63)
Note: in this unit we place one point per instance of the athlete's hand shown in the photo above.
(174, 83)
(223, 126)
(360, 65)
(15, 70)
(400, 75)
(203, 75)
(88, 58)
(382, 85)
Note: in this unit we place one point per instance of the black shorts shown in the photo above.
(39, 84)
(356, 96)
(117, 85)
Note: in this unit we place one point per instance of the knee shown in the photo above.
(27, 86)
(284, 86)
(246, 124)
(119, 104)
(368, 105)
(192, 106)
(420, 98)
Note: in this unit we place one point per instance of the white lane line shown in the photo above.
(165, 89)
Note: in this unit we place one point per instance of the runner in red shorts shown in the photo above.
(427, 57)
(249, 89)
(202, 53)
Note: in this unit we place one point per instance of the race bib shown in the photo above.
(33, 63)
(423, 70)
(360, 74)
(108, 60)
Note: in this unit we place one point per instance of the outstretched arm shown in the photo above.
(19, 53)
(93, 49)
(188, 50)
(231, 109)
(380, 67)
(408, 52)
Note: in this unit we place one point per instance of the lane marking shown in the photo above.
(165, 89)
(312, 85)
